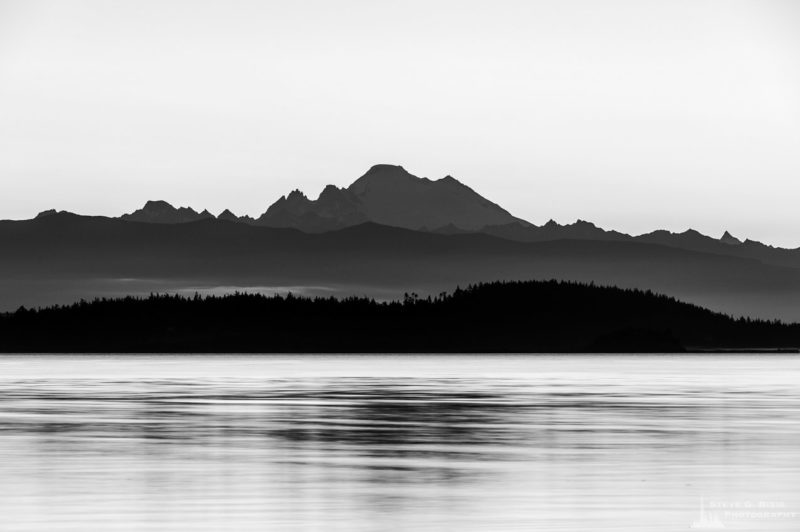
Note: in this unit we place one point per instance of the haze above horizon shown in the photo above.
(632, 115)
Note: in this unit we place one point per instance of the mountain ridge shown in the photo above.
(336, 208)
(389, 195)
(65, 257)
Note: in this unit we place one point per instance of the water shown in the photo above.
(382, 443)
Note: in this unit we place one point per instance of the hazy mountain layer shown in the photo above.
(62, 257)
(389, 195)
(349, 241)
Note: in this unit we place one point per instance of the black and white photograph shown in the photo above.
(399, 266)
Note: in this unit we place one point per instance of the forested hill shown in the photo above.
(534, 316)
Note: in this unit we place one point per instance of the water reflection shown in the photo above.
(379, 443)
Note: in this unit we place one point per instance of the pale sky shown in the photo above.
(633, 114)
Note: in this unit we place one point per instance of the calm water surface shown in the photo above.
(352, 443)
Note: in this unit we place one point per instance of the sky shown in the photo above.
(633, 114)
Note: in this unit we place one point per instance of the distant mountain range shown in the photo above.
(386, 194)
(389, 195)
(386, 233)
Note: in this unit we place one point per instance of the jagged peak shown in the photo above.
(728, 238)
(330, 190)
(228, 216)
(332, 194)
(296, 195)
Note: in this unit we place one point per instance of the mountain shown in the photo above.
(523, 317)
(334, 209)
(690, 240)
(386, 194)
(64, 257)
(161, 212)
(227, 216)
(389, 195)
(392, 196)
(728, 238)
(387, 232)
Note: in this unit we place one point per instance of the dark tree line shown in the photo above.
(534, 316)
